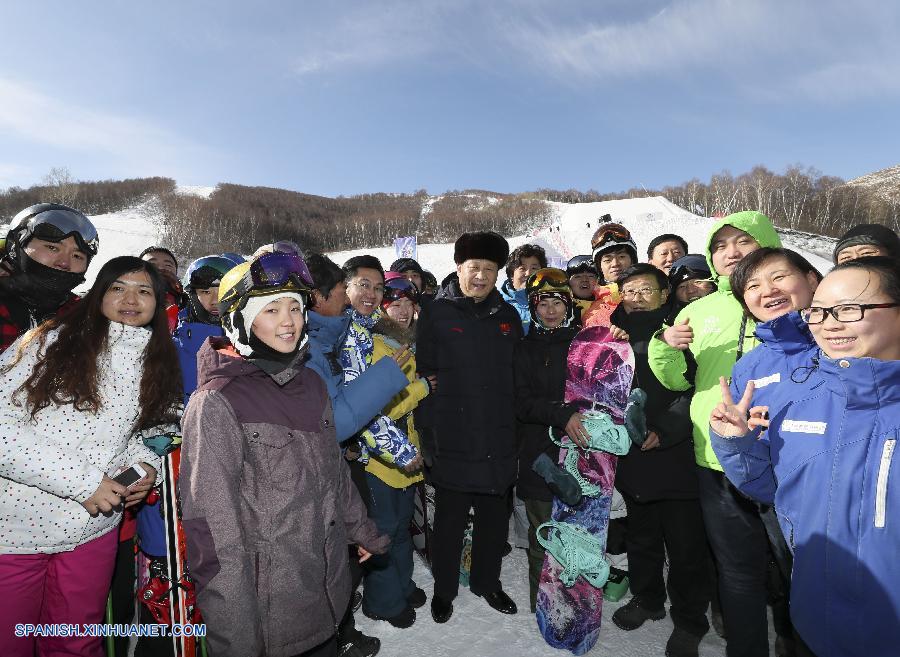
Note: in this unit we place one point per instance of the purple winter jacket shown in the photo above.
(268, 507)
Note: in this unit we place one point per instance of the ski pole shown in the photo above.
(110, 640)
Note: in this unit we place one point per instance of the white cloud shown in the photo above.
(134, 145)
(775, 47)
(371, 35)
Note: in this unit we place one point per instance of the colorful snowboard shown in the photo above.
(602, 368)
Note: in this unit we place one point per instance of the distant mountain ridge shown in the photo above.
(885, 183)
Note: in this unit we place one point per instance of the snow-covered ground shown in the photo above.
(476, 630)
(127, 232)
(202, 191)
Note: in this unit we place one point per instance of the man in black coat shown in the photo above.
(467, 337)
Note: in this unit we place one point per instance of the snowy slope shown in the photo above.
(127, 232)
(570, 233)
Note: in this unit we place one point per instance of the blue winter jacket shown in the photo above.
(358, 402)
(518, 299)
(781, 367)
(828, 465)
(188, 338)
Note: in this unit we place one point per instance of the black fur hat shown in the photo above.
(483, 245)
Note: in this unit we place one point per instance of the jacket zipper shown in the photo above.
(334, 618)
(884, 470)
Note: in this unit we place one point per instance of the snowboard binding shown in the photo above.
(635, 418)
(562, 484)
(577, 551)
(605, 434)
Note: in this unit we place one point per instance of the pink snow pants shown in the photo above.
(64, 587)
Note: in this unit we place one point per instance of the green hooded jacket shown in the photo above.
(716, 320)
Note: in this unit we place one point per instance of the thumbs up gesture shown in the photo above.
(728, 418)
(680, 335)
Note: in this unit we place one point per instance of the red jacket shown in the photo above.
(16, 318)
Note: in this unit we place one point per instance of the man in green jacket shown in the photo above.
(704, 343)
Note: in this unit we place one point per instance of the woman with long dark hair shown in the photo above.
(73, 393)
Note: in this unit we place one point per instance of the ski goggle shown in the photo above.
(581, 264)
(207, 272)
(286, 246)
(56, 224)
(399, 288)
(609, 233)
(269, 271)
(548, 277)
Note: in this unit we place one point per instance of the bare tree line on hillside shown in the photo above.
(800, 199)
(98, 197)
(238, 218)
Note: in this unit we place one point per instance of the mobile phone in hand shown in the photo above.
(130, 476)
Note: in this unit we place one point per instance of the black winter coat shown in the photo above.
(540, 373)
(467, 427)
(668, 471)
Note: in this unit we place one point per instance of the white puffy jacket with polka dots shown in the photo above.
(48, 467)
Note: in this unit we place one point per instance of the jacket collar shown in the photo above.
(866, 382)
(788, 334)
(511, 295)
(452, 292)
(217, 359)
(328, 331)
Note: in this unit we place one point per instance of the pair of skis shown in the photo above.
(181, 591)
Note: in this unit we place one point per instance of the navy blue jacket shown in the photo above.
(829, 465)
(358, 402)
(468, 424)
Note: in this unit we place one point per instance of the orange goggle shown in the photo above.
(546, 277)
(609, 233)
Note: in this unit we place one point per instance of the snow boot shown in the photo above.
(633, 615)
(417, 598)
(359, 645)
(402, 620)
(561, 483)
(682, 643)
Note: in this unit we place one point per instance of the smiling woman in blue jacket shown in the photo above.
(828, 461)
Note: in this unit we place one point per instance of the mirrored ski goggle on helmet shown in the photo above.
(398, 288)
(55, 224)
(207, 272)
(609, 233)
(581, 264)
(548, 277)
(269, 271)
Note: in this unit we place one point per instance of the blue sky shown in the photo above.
(508, 95)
